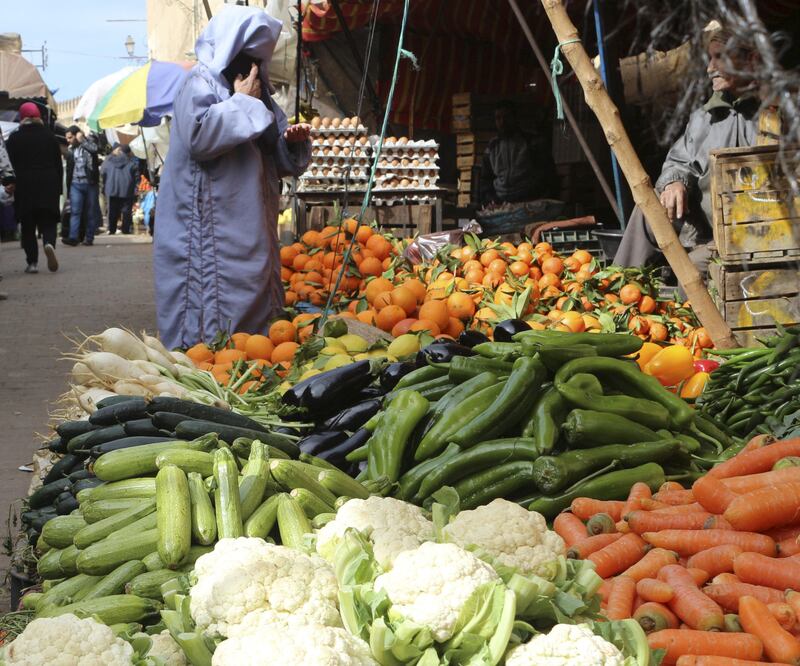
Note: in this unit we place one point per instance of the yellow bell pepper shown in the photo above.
(646, 354)
(694, 386)
(671, 365)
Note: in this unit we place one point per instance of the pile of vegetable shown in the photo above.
(711, 573)
(757, 390)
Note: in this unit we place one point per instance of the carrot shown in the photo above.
(732, 623)
(590, 544)
(779, 644)
(569, 527)
(707, 660)
(715, 522)
(638, 492)
(650, 564)
(638, 601)
(781, 533)
(585, 507)
(712, 494)
(770, 506)
(784, 614)
(652, 505)
(694, 507)
(654, 521)
(699, 576)
(622, 527)
(689, 603)
(620, 601)
(654, 616)
(618, 556)
(728, 595)
(746, 484)
(718, 559)
(679, 642)
(756, 460)
(669, 486)
(788, 547)
(652, 589)
(605, 590)
(675, 497)
(781, 574)
(725, 578)
(689, 542)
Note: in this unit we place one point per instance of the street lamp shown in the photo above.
(129, 45)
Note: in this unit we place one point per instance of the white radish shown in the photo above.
(131, 387)
(110, 367)
(148, 367)
(165, 362)
(88, 400)
(120, 342)
(183, 360)
(175, 390)
(150, 380)
(81, 374)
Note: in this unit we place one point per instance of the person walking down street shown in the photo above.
(216, 253)
(121, 173)
(36, 157)
(8, 182)
(83, 176)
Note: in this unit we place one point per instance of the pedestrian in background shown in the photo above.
(83, 176)
(8, 181)
(36, 158)
(121, 173)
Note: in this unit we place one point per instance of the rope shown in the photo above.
(556, 70)
(401, 53)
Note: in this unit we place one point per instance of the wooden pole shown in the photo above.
(643, 193)
(598, 172)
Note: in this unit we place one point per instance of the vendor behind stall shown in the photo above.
(517, 166)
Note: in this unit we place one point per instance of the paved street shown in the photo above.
(109, 284)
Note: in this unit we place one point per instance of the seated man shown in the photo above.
(729, 119)
(517, 166)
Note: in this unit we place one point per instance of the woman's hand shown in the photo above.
(297, 133)
(249, 86)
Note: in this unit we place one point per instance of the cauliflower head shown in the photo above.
(566, 645)
(295, 644)
(245, 574)
(510, 533)
(165, 648)
(67, 640)
(393, 526)
(429, 585)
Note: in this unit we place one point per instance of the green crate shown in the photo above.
(566, 241)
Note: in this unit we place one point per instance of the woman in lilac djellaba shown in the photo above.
(216, 257)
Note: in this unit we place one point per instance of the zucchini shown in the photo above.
(61, 530)
(115, 581)
(31, 600)
(96, 511)
(120, 412)
(141, 460)
(228, 433)
(174, 515)
(153, 561)
(187, 460)
(148, 584)
(292, 522)
(291, 474)
(317, 462)
(142, 428)
(148, 522)
(261, 522)
(67, 559)
(127, 443)
(312, 505)
(63, 592)
(103, 528)
(255, 476)
(61, 468)
(49, 564)
(321, 519)
(142, 487)
(113, 609)
(92, 438)
(340, 483)
(227, 504)
(104, 556)
(197, 411)
(242, 446)
(66, 430)
(48, 493)
(204, 524)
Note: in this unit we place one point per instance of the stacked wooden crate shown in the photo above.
(756, 221)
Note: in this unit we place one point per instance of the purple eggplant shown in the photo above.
(330, 388)
(442, 351)
(507, 329)
(394, 372)
(336, 455)
(352, 418)
(321, 441)
(471, 337)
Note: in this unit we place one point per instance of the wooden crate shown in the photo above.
(464, 200)
(403, 220)
(472, 143)
(754, 217)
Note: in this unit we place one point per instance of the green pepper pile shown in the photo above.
(540, 420)
(757, 389)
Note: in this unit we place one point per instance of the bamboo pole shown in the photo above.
(643, 193)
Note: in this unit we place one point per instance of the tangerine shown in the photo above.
(376, 286)
(288, 253)
(553, 265)
(371, 266)
(259, 347)
(389, 317)
(418, 288)
(366, 317)
(435, 311)
(426, 325)
(402, 327)
(519, 268)
(382, 300)
(284, 352)
(460, 306)
(405, 298)
(200, 353)
(629, 294)
(282, 331)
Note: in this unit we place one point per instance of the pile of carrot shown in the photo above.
(711, 573)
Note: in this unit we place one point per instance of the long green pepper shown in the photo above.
(388, 442)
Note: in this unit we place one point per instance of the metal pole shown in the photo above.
(298, 63)
(567, 112)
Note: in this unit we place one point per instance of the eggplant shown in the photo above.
(92, 482)
(61, 468)
(330, 388)
(120, 412)
(142, 428)
(394, 372)
(47, 493)
(336, 455)
(442, 351)
(195, 428)
(352, 418)
(94, 437)
(79, 475)
(126, 443)
(204, 412)
(38, 523)
(470, 338)
(168, 421)
(507, 329)
(321, 441)
(284, 430)
(57, 445)
(114, 400)
(65, 503)
(69, 429)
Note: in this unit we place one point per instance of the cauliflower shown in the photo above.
(429, 585)
(510, 533)
(566, 645)
(295, 644)
(246, 574)
(165, 648)
(67, 640)
(393, 526)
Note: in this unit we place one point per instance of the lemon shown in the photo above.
(310, 373)
(337, 361)
(353, 343)
(330, 350)
(363, 356)
(404, 345)
(377, 353)
(334, 342)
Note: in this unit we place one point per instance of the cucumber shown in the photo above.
(197, 411)
(47, 493)
(127, 443)
(103, 528)
(63, 593)
(125, 489)
(67, 560)
(80, 474)
(113, 609)
(340, 483)
(65, 504)
(142, 428)
(104, 556)
(174, 515)
(312, 505)
(49, 564)
(114, 400)
(291, 474)
(227, 504)
(67, 430)
(92, 438)
(292, 522)
(187, 460)
(204, 524)
(229, 433)
(115, 581)
(61, 530)
(120, 412)
(61, 468)
(96, 511)
(148, 584)
(153, 561)
(141, 460)
(261, 522)
(168, 421)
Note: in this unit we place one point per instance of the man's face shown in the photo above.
(72, 140)
(724, 68)
(504, 121)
